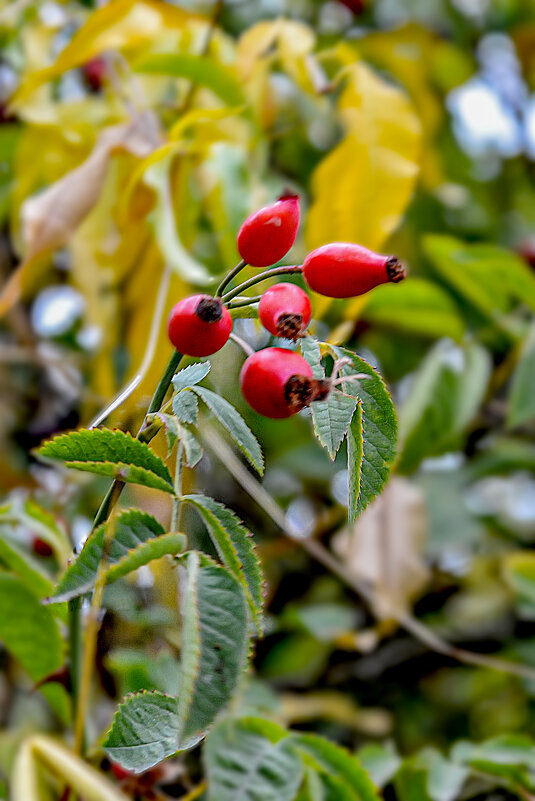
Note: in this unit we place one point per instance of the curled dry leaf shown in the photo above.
(384, 547)
(49, 220)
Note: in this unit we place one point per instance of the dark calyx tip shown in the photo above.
(288, 194)
(395, 270)
(290, 326)
(301, 391)
(209, 310)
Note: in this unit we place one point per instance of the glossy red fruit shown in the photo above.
(199, 325)
(285, 310)
(268, 234)
(344, 270)
(278, 383)
(41, 547)
(95, 72)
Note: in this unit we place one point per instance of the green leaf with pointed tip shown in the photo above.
(235, 546)
(355, 457)
(28, 630)
(193, 451)
(379, 427)
(190, 375)
(109, 453)
(144, 731)
(170, 424)
(330, 759)
(251, 759)
(213, 658)
(332, 417)
(186, 406)
(132, 528)
(235, 425)
(169, 544)
(202, 70)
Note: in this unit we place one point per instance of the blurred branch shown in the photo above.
(317, 551)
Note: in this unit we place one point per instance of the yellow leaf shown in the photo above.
(117, 25)
(41, 750)
(50, 219)
(362, 188)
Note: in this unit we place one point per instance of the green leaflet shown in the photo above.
(109, 453)
(332, 417)
(190, 375)
(149, 727)
(337, 763)
(186, 407)
(235, 425)
(138, 538)
(235, 546)
(251, 759)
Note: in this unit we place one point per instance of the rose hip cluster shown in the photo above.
(277, 382)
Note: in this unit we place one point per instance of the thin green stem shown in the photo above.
(75, 649)
(262, 277)
(163, 386)
(239, 302)
(229, 277)
(177, 500)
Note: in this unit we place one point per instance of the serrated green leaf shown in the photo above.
(331, 759)
(355, 457)
(190, 375)
(193, 451)
(235, 546)
(201, 70)
(521, 401)
(235, 425)
(331, 418)
(144, 731)
(109, 453)
(169, 544)
(132, 528)
(28, 630)
(251, 759)
(212, 660)
(186, 407)
(379, 424)
(223, 626)
(170, 424)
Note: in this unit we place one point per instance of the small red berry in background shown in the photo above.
(278, 383)
(526, 249)
(95, 73)
(344, 270)
(199, 325)
(41, 547)
(285, 310)
(268, 234)
(356, 6)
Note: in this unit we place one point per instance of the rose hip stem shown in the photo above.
(229, 277)
(292, 269)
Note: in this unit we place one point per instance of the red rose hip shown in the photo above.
(199, 325)
(268, 234)
(278, 383)
(344, 270)
(285, 310)
(41, 547)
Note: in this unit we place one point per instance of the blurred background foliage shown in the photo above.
(135, 136)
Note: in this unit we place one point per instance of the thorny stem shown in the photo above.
(229, 277)
(317, 551)
(256, 279)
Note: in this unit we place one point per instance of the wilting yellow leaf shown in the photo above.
(50, 219)
(116, 25)
(362, 188)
